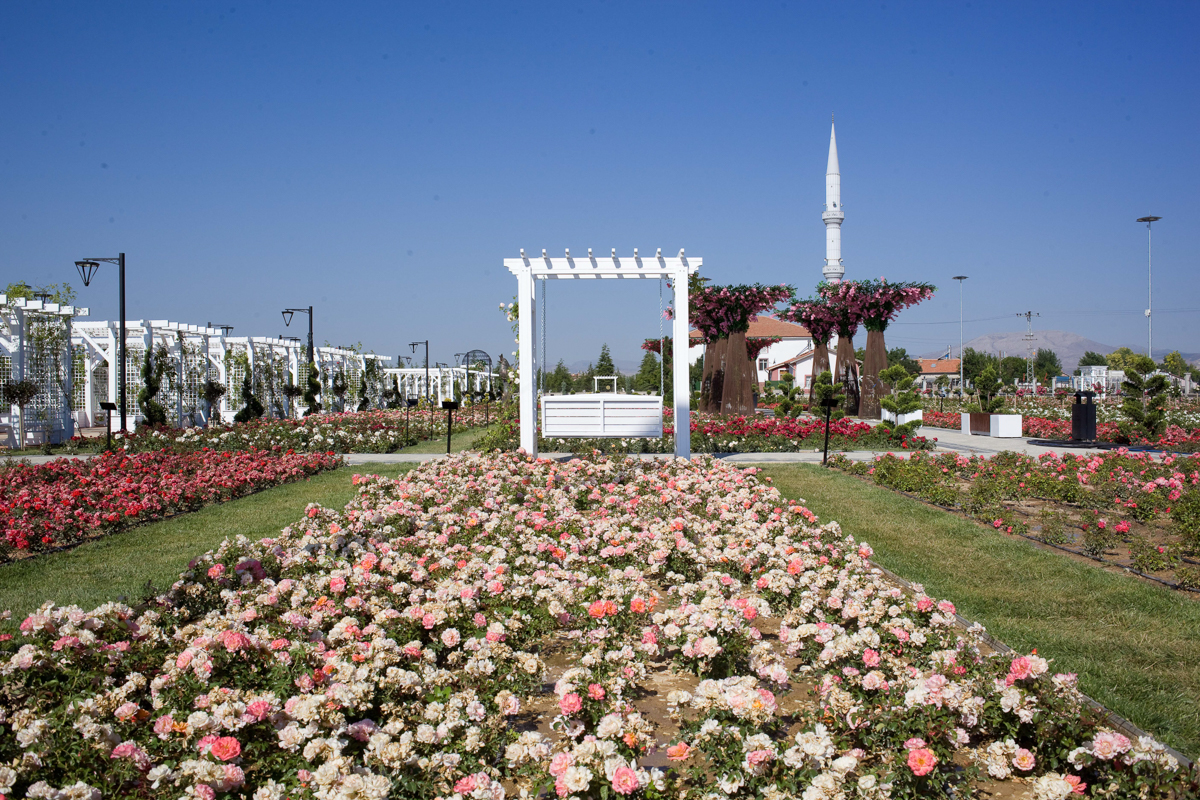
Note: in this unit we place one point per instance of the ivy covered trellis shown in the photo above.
(36, 352)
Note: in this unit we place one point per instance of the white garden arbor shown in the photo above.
(530, 270)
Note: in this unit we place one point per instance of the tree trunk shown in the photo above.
(847, 372)
(714, 377)
(820, 364)
(737, 397)
(874, 362)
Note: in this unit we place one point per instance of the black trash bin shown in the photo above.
(1083, 417)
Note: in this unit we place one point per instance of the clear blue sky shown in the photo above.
(379, 160)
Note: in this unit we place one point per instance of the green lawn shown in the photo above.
(458, 442)
(1135, 647)
(120, 565)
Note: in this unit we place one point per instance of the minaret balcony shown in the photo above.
(833, 216)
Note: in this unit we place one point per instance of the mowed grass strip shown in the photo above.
(458, 442)
(1135, 646)
(119, 566)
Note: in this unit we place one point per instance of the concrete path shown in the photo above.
(948, 439)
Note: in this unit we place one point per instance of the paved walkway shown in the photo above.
(947, 440)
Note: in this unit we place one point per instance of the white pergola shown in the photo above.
(529, 270)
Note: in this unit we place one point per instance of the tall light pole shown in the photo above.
(413, 345)
(287, 321)
(1149, 288)
(960, 279)
(87, 267)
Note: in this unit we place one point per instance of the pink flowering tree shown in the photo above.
(846, 302)
(882, 303)
(722, 315)
(820, 321)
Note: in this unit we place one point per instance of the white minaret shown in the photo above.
(833, 216)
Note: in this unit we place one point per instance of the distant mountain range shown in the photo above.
(1069, 347)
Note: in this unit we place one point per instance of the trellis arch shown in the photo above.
(528, 270)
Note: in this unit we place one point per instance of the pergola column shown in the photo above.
(526, 311)
(679, 346)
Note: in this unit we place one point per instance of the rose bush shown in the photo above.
(350, 432)
(712, 433)
(1143, 507)
(400, 648)
(62, 502)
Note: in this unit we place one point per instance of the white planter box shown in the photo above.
(903, 419)
(1006, 426)
(608, 416)
(999, 426)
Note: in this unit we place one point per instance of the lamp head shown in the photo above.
(1149, 219)
(287, 318)
(87, 268)
(959, 278)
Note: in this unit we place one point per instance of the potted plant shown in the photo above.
(900, 407)
(988, 419)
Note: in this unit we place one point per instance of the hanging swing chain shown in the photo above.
(662, 355)
(542, 362)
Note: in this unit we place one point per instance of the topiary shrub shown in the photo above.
(312, 390)
(252, 407)
(1145, 403)
(154, 415)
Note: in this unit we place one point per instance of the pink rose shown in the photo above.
(921, 761)
(624, 781)
(337, 585)
(679, 752)
(570, 704)
(595, 691)
(560, 763)
(871, 657)
(226, 748)
(1020, 668)
(259, 709)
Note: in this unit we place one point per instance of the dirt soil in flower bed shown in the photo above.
(1129, 513)
(62, 503)
(488, 625)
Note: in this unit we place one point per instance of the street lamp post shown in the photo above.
(87, 268)
(960, 279)
(1149, 288)
(413, 345)
(287, 321)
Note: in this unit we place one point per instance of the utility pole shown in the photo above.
(1030, 352)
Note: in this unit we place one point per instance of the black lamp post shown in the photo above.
(287, 321)
(413, 345)
(87, 268)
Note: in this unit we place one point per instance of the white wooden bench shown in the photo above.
(609, 416)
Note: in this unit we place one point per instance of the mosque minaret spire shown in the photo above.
(833, 216)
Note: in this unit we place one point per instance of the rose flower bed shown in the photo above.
(1132, 509)
(712, 433)
(380, 431)
(62, 502)
(703, 638)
